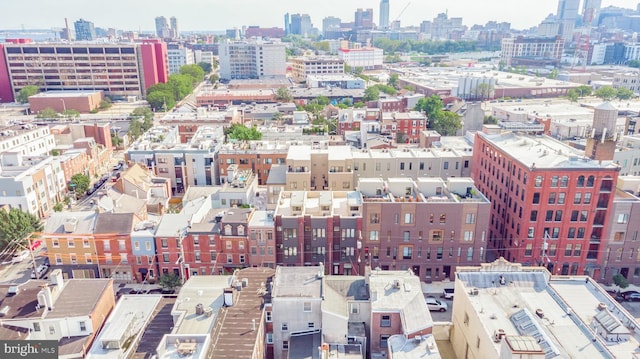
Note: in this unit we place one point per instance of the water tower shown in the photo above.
(601, 142)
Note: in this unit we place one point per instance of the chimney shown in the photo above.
(45, 298)
(57, 278)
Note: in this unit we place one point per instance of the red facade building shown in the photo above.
(550, 203)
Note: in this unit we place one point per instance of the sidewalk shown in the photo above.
(436, 288)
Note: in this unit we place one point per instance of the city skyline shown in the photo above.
(202, 15)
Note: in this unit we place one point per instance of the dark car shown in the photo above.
(630, 295)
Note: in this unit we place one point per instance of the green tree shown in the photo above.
(181, 85)
(371, 94)
(393, 80)
(25, 92)
(389, 90)
(16, 226)
(446, 123)
(105, 104)
(169, 281)
(80, 182)
(162, 87)
(142, 113)
(553, 74)
(634, 63)
(205, 66)
(623, 93)
(47, 113)
(283, 95)
(243, 133)
(490, 120)
(605, 93)
(195, 71)
(323, 100)
(359, 104)
(158, 99)
(484, 91)
(620, 281)
(431, 106)
(572, 95)
(584, 90)
(71, 113)
(58, 207)
(116, 140)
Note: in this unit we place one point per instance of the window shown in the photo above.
(572, 233)
(580, 182)
(468, 236)
(574, 216)
(590, 181)
(437, 235)
(439, 253)
(583, 216)
(558, 216)
(561, 197)
(587, 198)
(538, 182)
(443, 218)
(618, 236)
(36, 327)
(354, 308)
(567, 251)
(70, 243)
(306, 307)
(269, 338)
(623, 218)
(564, 182)
(85, 243)
(56, 243)
(552, 198)
(285, 345)
(470, 218)
(83, 326)
(52, 329)
(531, 232)
(284, 327)
(268, 317)
(581, 232)
(534, 216)
(311, 325)
(408, 218)
(385, 321)
(577, 198)
(373, 235)
(536, 198)
(549, 216)
(384, 340)
(554, 181)
(577, 249)
(528, 249)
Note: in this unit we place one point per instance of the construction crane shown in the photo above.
(401, 12)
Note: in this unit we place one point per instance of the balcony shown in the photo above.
(299, 169)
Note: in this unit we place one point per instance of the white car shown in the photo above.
(19, 257)
(436, 305)
(42, 269)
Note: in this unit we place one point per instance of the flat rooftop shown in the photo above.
(559, 312)
(56, 94)
(543, 152)
(202, 289)
(129, 317)
(79, 297)
(298, 282)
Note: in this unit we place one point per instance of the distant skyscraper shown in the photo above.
(287, 24)
(300, 24)
(174, 28)
(331, 26)
(568, 9)
(363, 19)
(162, 27)
(384, 14)
(84, 30)
(590, 11)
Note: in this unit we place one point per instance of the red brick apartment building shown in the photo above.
(550, 203)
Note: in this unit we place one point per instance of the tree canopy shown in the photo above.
(15, 227)
(141, 121)
(205, 66)
(283, 94)
(25, 92)
(605, 93)
(446, 123)
(371, 94)
(80, 182)
(431, 105)
(196, 72)
(169, 281)
(47, 113)
(425, 46)
(243, 133)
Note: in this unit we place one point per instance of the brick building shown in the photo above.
(550, 204)
(428, 225)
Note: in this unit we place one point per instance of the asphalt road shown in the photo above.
(18, 273)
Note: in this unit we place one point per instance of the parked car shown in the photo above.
(436, 305)
(41, 271)
(447, 293)
(19, 257)
(630, 295)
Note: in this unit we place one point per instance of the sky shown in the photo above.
(224, 14)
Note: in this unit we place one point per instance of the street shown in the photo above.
(18, 273)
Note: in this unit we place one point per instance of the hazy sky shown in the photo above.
(223, 14)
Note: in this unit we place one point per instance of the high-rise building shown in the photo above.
(178, 55)
(300, 24)
(331, 25)
(287, 24)
(384, 14)
(163, 30)
(364, 19)
(119, 70)
(590, 11)
(174, 28)
(567, 15)
(85, 30)
(252, 60)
